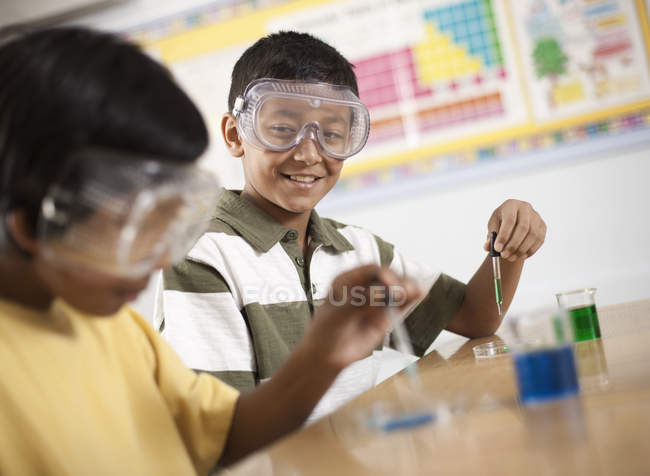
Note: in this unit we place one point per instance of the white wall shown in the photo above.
(136, 12)
(19, 11)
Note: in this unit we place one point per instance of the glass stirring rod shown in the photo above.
(401, 339)
(496, 271)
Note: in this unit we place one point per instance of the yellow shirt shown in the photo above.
(82, 395)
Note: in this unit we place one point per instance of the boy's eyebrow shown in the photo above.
(330, 119)
(285, 112)
(335, 121)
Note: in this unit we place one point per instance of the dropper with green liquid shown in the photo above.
(496, 271)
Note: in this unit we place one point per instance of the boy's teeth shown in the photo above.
(300, 178)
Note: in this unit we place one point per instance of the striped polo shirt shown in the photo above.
(245, 293)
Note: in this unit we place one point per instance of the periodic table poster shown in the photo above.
(451, 85)
(426, 70)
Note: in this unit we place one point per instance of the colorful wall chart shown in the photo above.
(581, 56)
(450, 84)
(427, 70)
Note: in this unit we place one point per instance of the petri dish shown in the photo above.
(490, 350)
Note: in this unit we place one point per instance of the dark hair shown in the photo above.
(66, 89)
(290, 55)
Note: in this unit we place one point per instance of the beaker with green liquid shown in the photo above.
(581, 306)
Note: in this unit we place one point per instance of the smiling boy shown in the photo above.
(247, 290)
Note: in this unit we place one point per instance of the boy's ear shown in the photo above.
(20, 232)
(231, 136)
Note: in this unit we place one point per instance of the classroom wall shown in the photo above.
(597, 208)
(42, 10)
(136, 12)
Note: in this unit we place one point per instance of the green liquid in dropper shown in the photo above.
(497, 290)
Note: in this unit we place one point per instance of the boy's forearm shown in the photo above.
(280, 405)
(478, 315)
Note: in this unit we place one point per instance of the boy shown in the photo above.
(98, 187)
(246, 291)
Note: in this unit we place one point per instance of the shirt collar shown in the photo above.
(263, 232)
(322, 231)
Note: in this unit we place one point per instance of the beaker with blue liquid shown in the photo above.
(543, 356)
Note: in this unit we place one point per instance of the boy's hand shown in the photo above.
(520, 230)
(353, 320)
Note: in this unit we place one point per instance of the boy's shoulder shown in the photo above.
(357, 229)
(337, 225)
(218, 225)
(359, 238)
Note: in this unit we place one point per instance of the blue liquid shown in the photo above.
(406, 421)
(546, 374)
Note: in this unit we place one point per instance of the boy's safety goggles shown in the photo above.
(278, 114)
(123, 215)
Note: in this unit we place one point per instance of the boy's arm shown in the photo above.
(520, 233)
(478, 316)
(340, 334)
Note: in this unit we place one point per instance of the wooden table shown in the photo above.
(480, 427)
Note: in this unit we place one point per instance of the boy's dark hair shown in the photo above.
(290, 55)
(65, 89)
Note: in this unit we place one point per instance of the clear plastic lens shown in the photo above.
(277, 115)
(121, 215)
(282, 121)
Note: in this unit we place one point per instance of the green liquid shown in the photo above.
(584, 321)
(497, 290)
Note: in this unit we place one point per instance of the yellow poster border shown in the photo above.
(236, 31)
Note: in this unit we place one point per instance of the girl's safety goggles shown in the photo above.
(122, 215)
(277, 115)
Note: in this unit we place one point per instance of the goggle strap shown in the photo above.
(240, 103)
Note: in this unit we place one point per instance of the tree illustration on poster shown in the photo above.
(550, 61)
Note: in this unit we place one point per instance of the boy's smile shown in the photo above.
(293, 181)
(303, 181)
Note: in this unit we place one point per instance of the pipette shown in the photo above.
(496, 271)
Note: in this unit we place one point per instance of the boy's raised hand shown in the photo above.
(520, 230)
(353, 319)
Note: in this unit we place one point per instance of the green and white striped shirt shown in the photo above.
(245, 294)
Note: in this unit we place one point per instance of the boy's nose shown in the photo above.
(307, 152)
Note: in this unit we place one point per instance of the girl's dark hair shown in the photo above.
(66, 89)
(290, 55)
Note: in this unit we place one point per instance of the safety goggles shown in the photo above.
(122, 215)
(278, 114)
